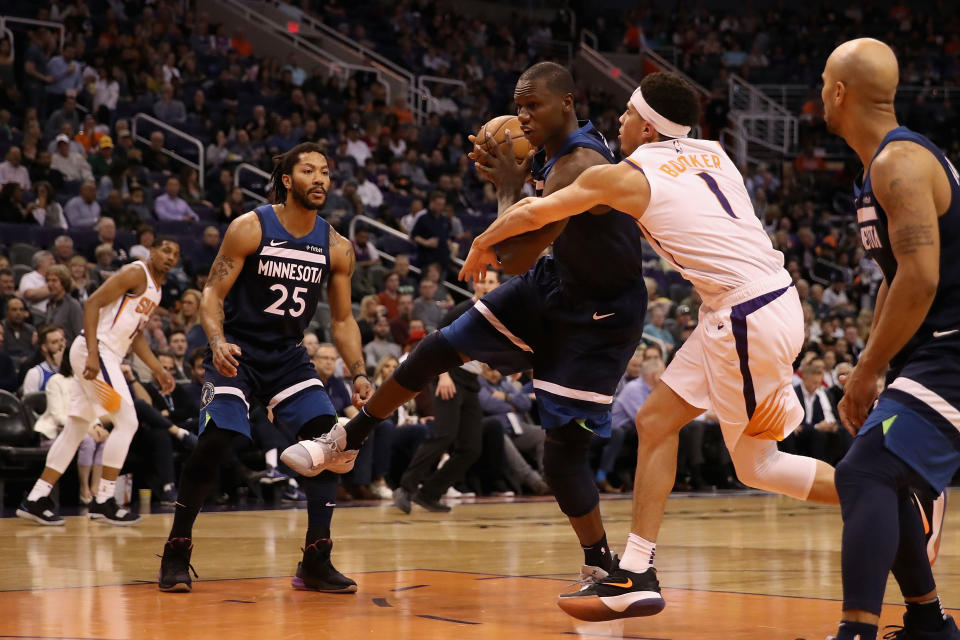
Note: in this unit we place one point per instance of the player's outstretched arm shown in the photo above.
(130, 277)
(343, 326)
(618, 186)
(241, 239)
(903, 178)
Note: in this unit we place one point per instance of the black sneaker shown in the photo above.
(430, 504)
(622, 594)
(401, 500)
(316, 573)
(112, 513)
(42, 511)
(933, 510)
(910, 632)
(175, 566)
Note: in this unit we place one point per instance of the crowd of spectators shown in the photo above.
(78, 187)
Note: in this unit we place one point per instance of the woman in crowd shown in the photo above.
(45, 208)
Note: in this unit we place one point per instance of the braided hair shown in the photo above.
(283, 166)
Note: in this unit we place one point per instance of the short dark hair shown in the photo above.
(284, 164)
(159, 240)
(198, 352)
(177, 331)
(670, 95)
(47, 330)
(557, 78)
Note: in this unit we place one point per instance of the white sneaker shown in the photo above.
(453, 493)
(382, 491)
(328, 452)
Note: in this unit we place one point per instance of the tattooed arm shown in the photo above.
(343, 326)
(908, 182)
(242, 239)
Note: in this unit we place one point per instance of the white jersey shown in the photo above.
(700, 218)
(125, 317)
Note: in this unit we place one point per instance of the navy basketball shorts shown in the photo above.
(578, 348)
(919, 411)
(283, 379)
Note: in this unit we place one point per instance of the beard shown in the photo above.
(302, 198)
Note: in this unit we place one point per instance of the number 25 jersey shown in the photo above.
(277, 292)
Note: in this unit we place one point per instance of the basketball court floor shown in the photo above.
(734, 567)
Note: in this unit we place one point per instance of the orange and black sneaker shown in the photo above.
(622, 594)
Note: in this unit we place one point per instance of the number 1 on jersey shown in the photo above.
(715, 188)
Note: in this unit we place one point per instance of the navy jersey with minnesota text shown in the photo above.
(944, 313)
(598, 255)
(277, 292)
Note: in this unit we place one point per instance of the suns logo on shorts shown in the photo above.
(206, 395)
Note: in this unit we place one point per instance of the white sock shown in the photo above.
(40, 490)
(638, 556)
(106, 491)
(271, 458)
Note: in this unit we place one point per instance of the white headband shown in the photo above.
(663, 126)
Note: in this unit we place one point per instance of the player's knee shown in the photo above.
(125, 420)
(567, 471)
(653, 428)
(316, 427)
(433, 356)
(761, 465)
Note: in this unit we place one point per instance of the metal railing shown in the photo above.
(604, 66)
(246, 166)
(376, 224)
(37, 23)
(762, 120)
(198, 166)
(425, 100)
(401, 74)
(333, 64)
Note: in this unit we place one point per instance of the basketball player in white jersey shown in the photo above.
(692, 205)
(113, 318)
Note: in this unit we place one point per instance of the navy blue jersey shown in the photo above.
(276, 294)
(599, 256)
(944, 314)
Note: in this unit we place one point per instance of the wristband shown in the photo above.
(361, 375)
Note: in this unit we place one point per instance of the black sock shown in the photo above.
(850, 631)
(598, 554)
(359, 428)
(926, 616)
(199, 474)
(321, 494)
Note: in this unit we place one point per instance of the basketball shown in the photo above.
(494, 135)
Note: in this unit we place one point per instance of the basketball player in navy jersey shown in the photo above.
(263, 290)
(575, 318)
(908, 210)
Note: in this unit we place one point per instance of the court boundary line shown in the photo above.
(490, 576)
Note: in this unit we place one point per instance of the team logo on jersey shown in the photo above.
(678, 146)
(206, 395)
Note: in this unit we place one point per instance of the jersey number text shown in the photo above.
(295, 297)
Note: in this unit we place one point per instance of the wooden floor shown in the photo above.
(743, 567)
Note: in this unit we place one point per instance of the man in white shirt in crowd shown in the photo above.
(370, 194)
(83, 211)
(171, 207)
(356, 147)
(382, 344)
(33, 285)
(71, 164)
(52, 344)
(11, 170)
